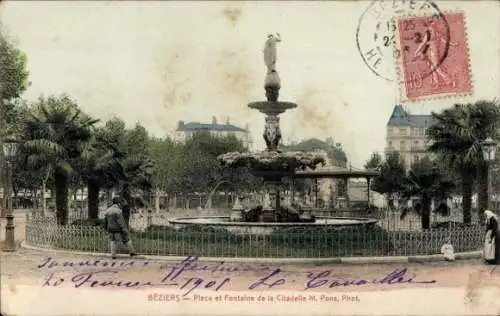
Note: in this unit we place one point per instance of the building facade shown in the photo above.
(186, 130)
(406, 134)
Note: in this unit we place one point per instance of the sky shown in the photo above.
(160, 62)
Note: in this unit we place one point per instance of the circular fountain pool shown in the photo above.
(260, 228)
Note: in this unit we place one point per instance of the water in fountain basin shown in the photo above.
(263, 228)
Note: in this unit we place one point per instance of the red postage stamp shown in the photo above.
(434, 58)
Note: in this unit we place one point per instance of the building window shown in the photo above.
(416, 158)
(390, 144)
(402, 145)
(402, 131)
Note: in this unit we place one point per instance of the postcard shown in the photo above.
(250, 157)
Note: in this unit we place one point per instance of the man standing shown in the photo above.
(115, 225)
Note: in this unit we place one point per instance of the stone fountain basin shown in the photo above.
(253, 228)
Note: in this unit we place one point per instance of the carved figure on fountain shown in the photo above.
(272, 132)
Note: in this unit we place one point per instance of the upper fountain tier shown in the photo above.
(272, 163)
(272, 83)
(272, 107)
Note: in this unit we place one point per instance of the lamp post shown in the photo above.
(9, 149)
(489, 147)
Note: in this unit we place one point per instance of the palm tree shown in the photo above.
(100, 167)
(457, 136)
(116, 158)
(426, 181)
(55, 134)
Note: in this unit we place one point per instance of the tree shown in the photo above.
(55, 135)
(200, 168)
(196, 167)
(374, 161)
(14, 81)
(100, 164)
(486, 118)
(136, 161)
(165, 154)
(426, 181)
(14, 74)
(391, 178)
(137, 142)
(456, 137)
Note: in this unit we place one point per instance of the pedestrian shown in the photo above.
(491, 242)
(118, 230)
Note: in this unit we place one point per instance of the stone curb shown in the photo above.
(341, 260)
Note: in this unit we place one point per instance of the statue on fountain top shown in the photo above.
(272, 81)
(270, 52)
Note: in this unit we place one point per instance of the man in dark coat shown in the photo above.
(117, 228)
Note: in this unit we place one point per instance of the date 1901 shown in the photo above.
(96, 279)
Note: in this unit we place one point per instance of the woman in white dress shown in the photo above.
(491, 241)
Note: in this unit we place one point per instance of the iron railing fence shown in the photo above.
(158, 239)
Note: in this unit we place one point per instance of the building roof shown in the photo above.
(195, 126)
(400, 117)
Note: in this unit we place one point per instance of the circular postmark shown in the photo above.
(377, 31)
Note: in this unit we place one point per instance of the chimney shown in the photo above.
(214, 120)
(247, 127)
(180, 126)
(228, 121)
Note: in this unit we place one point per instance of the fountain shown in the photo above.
(272, 165)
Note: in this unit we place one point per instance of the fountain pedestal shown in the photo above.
(237, 211)
(268, 215)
